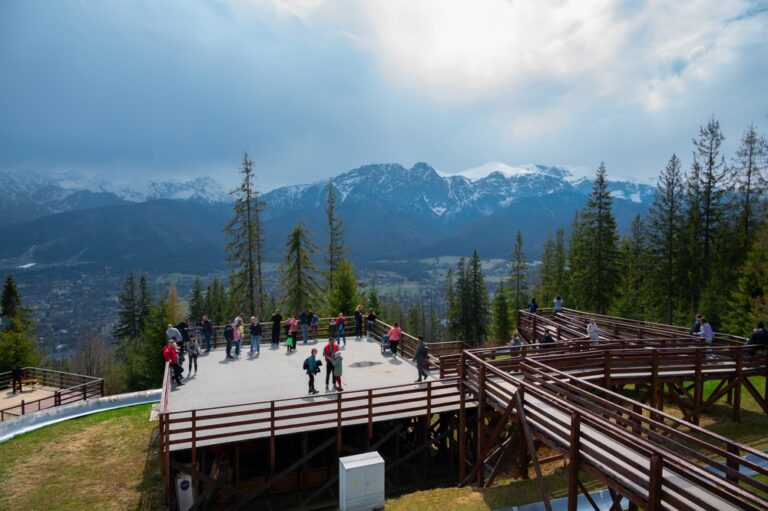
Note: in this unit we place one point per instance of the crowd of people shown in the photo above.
(184, 344)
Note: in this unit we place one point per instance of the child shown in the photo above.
(312, 367)
(290, 342)
(337, 371)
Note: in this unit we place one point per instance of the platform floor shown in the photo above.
(275, 374)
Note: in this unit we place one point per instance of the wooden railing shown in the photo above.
(646, 458)
(271, 418)
(70, 388)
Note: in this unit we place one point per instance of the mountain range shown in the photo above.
(389, 212)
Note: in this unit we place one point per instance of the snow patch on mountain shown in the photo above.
(484, 171)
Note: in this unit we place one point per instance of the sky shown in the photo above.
(174, 89)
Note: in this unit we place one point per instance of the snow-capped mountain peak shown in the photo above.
(483, 171)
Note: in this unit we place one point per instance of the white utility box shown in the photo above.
(361, 482)
(185, 495)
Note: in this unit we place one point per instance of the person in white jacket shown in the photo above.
(593, 330)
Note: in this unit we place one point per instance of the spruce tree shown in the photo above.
(691, 261)
(197, 300)
(748, 303)
(502, 322)
(144, 301)
(343, 296)
(712, 188)
(593, 256)
(476, 310)
(372, 300)
(335, 235)
(450, 304)
(299, 282)
(633, 294)
(17, 345)
(128, 317)
(552, 273)
(144, 365)
(518, 279)
(665, 224)
(245, 247)
(749, 171)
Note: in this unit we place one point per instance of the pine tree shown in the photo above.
(335, 235)
(343, 296)
(632, 300)
(518, 269)
(450, 304)
(502, 322)
(749, 168)
(128, 317)
(691, 261)
(299, 283)
(144, 365)
(216, 302)
(552, 273)
(713, 175)
(372, 300)
(17, 345)
(665, 231)
(144, 301)
(245, 248)
(748, 303)
(197, 300)
(593, 256)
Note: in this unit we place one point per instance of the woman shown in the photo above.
(314, 324)
(341, 324)
(255, 331)
(395, 334)
(193, 349)
(359, 321)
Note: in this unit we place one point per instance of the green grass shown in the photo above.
(99, 461)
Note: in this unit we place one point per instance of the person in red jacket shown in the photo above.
(395, 334)
(329, 352)
(170, 356)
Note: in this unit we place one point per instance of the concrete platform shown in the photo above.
(275, 374)
(249, 398)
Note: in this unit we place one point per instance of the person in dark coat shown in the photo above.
(312, 367)
(533, 306)
(229, 336)
(207, 333)
(276, 320)
(16, 376)
(420, 357)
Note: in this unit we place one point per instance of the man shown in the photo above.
(229, 336)
(207, 333)
(183, 328)
(696, 326)
(173, 333)
(557, 305)
(170, 356)
(759, 336)
(16, 376)
(547, 341)
(533, 306)
(276, 320)
(329, 354)
(304, 324)
(420, 357)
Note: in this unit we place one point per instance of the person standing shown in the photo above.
(341, 324)
(255, 330)
(329, 351)
(593, 331)
(420, 357)
(276, 320)
(547, 341)
(337, 370)
(173, 333)
(199, 331)
(533, 306)
(359, 322)
(304, 325)
(193, 350)
(759, 336)
(170, 356)
(183, 327)
(293, 329)
(207, 333)
(706, 333)
(229, 336)
(370, 321)
(395, 334)
(557, 305)
(312, 367)
(16, 377)
(314, 324)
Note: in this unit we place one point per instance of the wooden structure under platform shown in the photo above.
(599, 405)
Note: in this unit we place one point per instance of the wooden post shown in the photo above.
(194, 450)
(271, 438)
(698, 387)
(462, 421)
(22, 407)
(370, 414)
(732, 463)
(480, 432)
(338, 423)
(101, 387)
(607, 370)
(654, 484)
(573, 462)
(737, 387)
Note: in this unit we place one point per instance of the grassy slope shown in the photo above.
(95, 462)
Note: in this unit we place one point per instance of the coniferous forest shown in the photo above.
(702, 248)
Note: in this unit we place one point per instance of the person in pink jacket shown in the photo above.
(395, 334)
